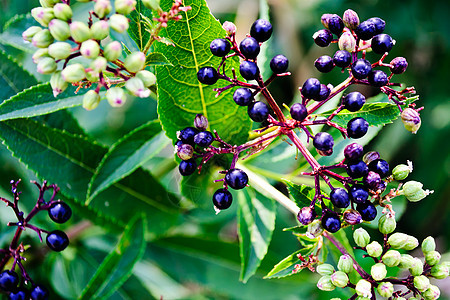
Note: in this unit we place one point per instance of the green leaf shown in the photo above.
(12, 32)
(125, 156)
(118, 265)
(256, 215)
(156, 58)
(13, 78)
(303, 195)
(180, 95)
(137, 29)
(375, 113)
(285, 267)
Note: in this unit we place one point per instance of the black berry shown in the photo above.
(367, 211)
(399, 65)
(354, 101)
(39, 292)
(382, 43)
(339, 197)
(222, 199)
(324, 64)
(306, 215)
(261, 30)
(361, 68)
(57, 240)
(353, 151)
(323, 37)
(203, 139)
(298, 112)
(60, 212)
(187, 135)
(323, 141)
(342, 58)
(258, 111)
(249, 70)
(236, 179)
(331, 222)
(220, 47)
(379, 166)
(366, 30)
(279, 64)
(311, 88)
(324, 92)
(187, 167)
(379, 23)
(377, 78)
(207, 75)
(372, 180)
(178, 143)
(357, 169)
(249, 47)
(19, 294)
(335, 24)
(358, 193)
(243, 96)
(357, 128)
(8, 280)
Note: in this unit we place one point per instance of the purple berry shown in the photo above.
(358, 193)
(258, 111)
(339, 197)
(243, 96)
(311, 88)
(187, 135)
(399, 65)
(323, 141)
(357, 128)
(60, 212)
(220, 47)
(8, 280)
(261, 30)
(222, 199)
(324, 64)
(203, 139)
(249, 48)
(361, 68)
(353, 101)
(379, 23)
(367, 210)
(249, 70)
(353, 151)
(187, 167)
(379, 166)
(306, 215)
(372, 180)
(382, 43)
(298, 112)
(377, 78)
(279, 64)
(236, 179)
(207, 75)
(366, 30)
(331, 222)
(57, 240)
(357, 169)
(323, 37)
(342, 58)
(39, 292)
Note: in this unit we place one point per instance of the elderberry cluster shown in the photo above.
(57, 240)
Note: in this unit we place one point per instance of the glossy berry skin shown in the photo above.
(60, 212)
(353, 101)
(339, 197)
(222, 199)
(249, 47)
(379, 23)
(243, 96)
(382, 43)
(357, 128)
(323, 141)
(323, 37)
(366, 30)
(324, 64)
(8, 280)
(358, 193)
(377, 78)
(258, 111)
(361, 68)
(187, 135)
(249, 70)
(57, 240)
(372, 180)
(342, 59)
(367, 211)
(207, 75)
(380, 166)
(331, 222)
(306, 215)
(178, 143)
(261, 30)
(203, 139)
(311, 88)
(39, 292)
(324, 92)
(398, 65)
(353, 151)
(220, 47)
(357, 169)
(279, 64)
(335, 24)
(298, 112)
(187, 167)
(19, 294)
(236, 179)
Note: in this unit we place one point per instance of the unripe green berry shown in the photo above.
(345, 263)
(347, 41)
(152, 4)
(91, 100)
(417, 267)
(411, 119)
(100, 30)
(351, 19)
(116, 97)
(102, 8)
(59, 29)
(90, 49)
(112, 51)
(46, 65)
(136, 87)
(73, 73)
(99, 64)
(432, 257)
(378, 271)
(28, 34)
(135, 62)
(361, 237)
(406, 261)
(124, 7)
(58, 83)
(119, 23)
(422, 283)
(339, 279)
(39, 54)
(325, 283)
(428, 245)
(147, 77)
(374, 249)
(363, 288)
(413, 191)
(79, 31)
(60, 50)
(62, 11)
(440, 271)
(391, 258)
(432, 293)
(92, 76)
(397, 240)
(314, 230)
(387, 223)
(400, 172)
(325, 269)
(385, 289)
(42, 15)
(411, 243)
(46, 3)
(42, 39)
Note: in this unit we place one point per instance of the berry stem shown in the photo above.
(272, 103)
(306, 154)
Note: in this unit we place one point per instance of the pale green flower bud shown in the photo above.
(59, 29)
(58, 83)
(79, 31)
(60, 50)
(397, 240)
(325, 284)
(422, 283)
(124, 7)
(152, 4)
(417, 267)
(39, 54)
(440, 271)
(116, 97)
(400, 172)
(432, 293)
(411, 119)
(91, 100)
(42, 39)
(136, 87)
(73, 73)
(378, 271)
(428, 245)
(314, 230)
(361, 237)
(364, 288)
(347, 41)
(374, 249)
(351, 19)
(345, 263)
(406, 261)
(112, 51)
(62, 11)
(229, 27)
(411, 243)
(90, 49)
(325, 269)
(391, 258)
(42, 15)
(99, 64)
(102, 8)
(387, 223)
(385, 289)
(100, 30)
(432, 257)
(92, 76)
(147, 77)
(46, 65)
(339, 279)
(119, 23)
(135, 62)
(28, 34)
